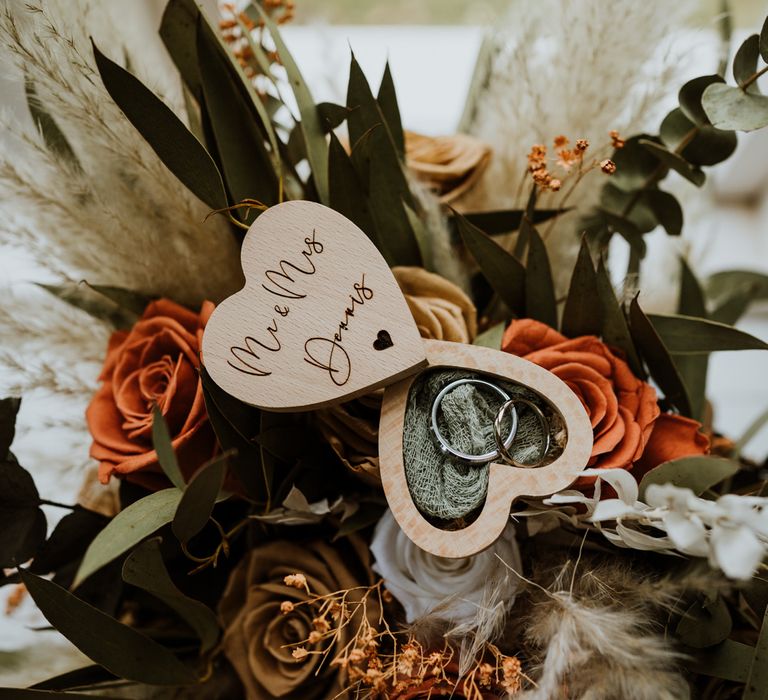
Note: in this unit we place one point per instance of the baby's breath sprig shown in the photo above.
(377, 660)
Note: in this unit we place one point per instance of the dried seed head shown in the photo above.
(286, 607)
(608, 166)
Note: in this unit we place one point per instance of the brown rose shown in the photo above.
(448, 165)
(629, 429)
(264, 622)
(442, 312)
(154, 363)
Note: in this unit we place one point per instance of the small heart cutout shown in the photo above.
(297, 336)
(383, 341)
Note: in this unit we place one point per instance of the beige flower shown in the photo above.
(268, 642)
(442, 312)
(449, 165)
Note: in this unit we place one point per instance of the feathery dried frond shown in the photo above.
(89, 219)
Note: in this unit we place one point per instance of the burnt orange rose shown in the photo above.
(629, 430)
(154, 363)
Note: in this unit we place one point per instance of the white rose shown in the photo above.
(453, 589)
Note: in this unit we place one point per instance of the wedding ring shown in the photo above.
(503, 446)
(465, 456)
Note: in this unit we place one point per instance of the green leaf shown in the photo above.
(539, 287)
(502, 221)
(311, 125)
(745, 62)
(635, 166)
(699, 473)
(601, 222)
(701, 145)
(764, 41)
(629, 207)
(581, 316)
(503, 271)
(690, 96)
(387, 100)
(194, 509)
(676, 162)
(98, 303)
(757, 683)
(129, 527)
(423, 238)
(491, 338)
(666, 209)
(245, 161)
(731, 108)
(119, 648)
(705, 624)
(614, 327)
(178, 30)
(687, 335)
(22, 523)
(332, 115)
(161, 441)
(179, 150)
(30, 694)
(728, 660)
(145, 569)
(692, 368)
(347, 195)
(657, 357)
(9, 409)
(236, 426)
(54, 139)
(732, 291)
(526, 224)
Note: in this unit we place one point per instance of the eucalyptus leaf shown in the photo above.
(179, 150)
(311, 124)
(732, 291)
(745, 63)
(688, 335)
(657, 357)
(581, 316)
(129, 527)
(145, 569)
(698, 473)
(491, 338)
(731, 108)
(122, 650)
(161, 441)
(245, 160)
(540, 301)
(614, 327)
(503, 271)
(676, 162)
(387, 100)
(194, 509)
(690, 96)
(699, 145)
(705, 624)
(628, 209)
(666, 209)
(636, 168)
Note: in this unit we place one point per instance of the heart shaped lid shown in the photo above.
(320, 320)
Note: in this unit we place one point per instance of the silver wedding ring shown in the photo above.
(502, 444)
(465, 456)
